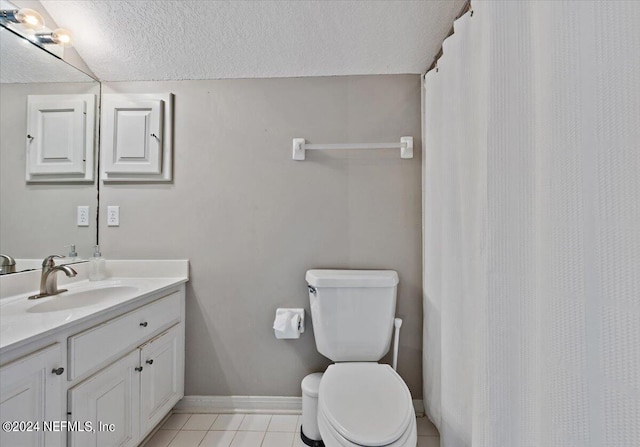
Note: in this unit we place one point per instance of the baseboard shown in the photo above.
(252, 405)
(418, 406)
(240, 404)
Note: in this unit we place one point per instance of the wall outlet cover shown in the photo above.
(82, 216)
(113, 216)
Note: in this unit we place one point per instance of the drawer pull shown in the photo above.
(144, 324)
(58, 371)
(150, 361)
(138, 368)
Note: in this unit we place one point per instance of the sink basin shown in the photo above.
(81, 298)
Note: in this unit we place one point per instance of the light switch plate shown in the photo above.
(113, 216)
(83, 216)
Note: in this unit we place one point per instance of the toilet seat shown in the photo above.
(331, 438)
(365, 404)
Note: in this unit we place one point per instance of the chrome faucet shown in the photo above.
(49, 279)
(7, 264)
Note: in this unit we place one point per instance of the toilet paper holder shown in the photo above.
(288, 323)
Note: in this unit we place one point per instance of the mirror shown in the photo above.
(39, 219)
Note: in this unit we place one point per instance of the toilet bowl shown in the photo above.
(365, 404)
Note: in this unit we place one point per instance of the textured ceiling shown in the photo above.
(22, 62)
(161, 40)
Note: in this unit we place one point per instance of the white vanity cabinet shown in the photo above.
(31, 391)
(109, 401)
(162, 376)
(111, 379)
(96, 346)
(125, 399)
(133, 394)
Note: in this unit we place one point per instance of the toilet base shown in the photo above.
(309, 441)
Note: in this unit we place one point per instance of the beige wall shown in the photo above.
(252, 221)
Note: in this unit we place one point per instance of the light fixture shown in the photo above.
(27, 17)
(59, 36)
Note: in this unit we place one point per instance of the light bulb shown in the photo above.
(62, 37)
(30, 18)
(59, 36)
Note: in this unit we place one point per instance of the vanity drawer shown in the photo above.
(99, 344)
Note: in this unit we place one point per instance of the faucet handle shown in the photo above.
(7, 260)
(49, 262)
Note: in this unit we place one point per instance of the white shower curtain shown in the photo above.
(532, 227)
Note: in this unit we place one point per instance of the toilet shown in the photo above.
(357, 402)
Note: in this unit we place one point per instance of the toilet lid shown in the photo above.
(366, 403)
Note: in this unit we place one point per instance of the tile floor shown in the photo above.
(250, 430)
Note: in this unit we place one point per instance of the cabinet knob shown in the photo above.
(58, 371)
(144, 324)
(138, 368)
(150, 361)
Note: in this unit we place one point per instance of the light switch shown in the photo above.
(113, 216)
(83, 216)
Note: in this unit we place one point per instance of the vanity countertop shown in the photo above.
(23, 321)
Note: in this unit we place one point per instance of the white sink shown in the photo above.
(81, 298)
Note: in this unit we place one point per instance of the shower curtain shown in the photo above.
(532, 227)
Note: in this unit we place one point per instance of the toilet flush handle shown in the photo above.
(311, 289)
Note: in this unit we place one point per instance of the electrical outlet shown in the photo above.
(113, 216)
(83, 216)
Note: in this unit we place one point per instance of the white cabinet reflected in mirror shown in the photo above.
(39, 214)
(60, 138)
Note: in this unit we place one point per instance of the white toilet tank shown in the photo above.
(352, 312)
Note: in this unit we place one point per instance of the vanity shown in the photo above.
(101, 364)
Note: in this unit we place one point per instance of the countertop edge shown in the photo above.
(111, 311)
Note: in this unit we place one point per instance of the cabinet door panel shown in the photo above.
(108, 397)
(60, 138)
(30, 392)
(136, 137)
(162, 380)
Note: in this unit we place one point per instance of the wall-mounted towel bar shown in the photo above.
(300, 146)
